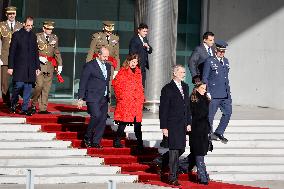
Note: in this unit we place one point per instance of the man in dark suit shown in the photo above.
(215, 75)
(139, 44)
(199, 56)
(94, 89)
(23, 64)
(175, 118)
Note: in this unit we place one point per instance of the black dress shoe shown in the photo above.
(145, 109)
(26, 113)
(12, 109)
(95, 145)
(174, 182)
(204, 183)
(33, 110)
(222, 138)
(88, 143)
(44, 112)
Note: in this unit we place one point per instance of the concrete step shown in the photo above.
(42, 152)
(231, 144)
(34, 144)
(231, 151)
(246, 176)
(8, 127)
(12, 120)
(229, 136)
(243, 159)
(276, 168)
(230, 129)
(26, 136)
(50, 161)
(70, 178)
(60, 169)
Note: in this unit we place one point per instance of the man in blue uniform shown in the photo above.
(215, 75)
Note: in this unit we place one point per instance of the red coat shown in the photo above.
(129, 93)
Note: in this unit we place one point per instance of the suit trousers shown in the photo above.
(225, 105)
(143, 78)
(174, 163)
(5, 84)
(98, 114)
(41, 91)
(19, 87)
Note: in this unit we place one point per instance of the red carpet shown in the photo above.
(72, 128)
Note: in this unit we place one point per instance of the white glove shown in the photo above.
(1, 63)
(42, 59)
(59, 69)
(209, 95)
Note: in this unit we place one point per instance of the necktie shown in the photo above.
(181, 91)
(222, 63)
(107, 37)
(145, 40)
(12, 29)
(47, 38)
(104, 70)
(209, 52)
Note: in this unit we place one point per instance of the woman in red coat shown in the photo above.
(129, 95)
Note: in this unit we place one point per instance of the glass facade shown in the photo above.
(77, 20)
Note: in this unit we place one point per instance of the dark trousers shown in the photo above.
(18, 88)
(144, 78)
(98, 117)
(137, 131)
(225, 106)
(174, 163)
(5, 85)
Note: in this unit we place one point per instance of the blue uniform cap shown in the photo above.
(221, 45)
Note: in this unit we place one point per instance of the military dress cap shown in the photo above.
(11, 9)
(48, 24)
(221, 45)
(108, 25)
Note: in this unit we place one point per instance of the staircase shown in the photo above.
(255, 150)
(24, 146)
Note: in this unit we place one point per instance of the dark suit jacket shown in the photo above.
(23, 56)
(92, 82)
(197, 59)
(136, 46)
(174, 113)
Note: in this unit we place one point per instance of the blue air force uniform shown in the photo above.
(215, 75)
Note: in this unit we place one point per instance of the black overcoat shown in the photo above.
(174, 114)
(200, 128)
(23, 56)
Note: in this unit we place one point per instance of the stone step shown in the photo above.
(61, 170)
(50, 161)
(229, 136)
(26, 136)
(275, 168)
(231, 151)
(42, 152)
(19, 127)
(34, 144)
(231, 144)
(243, 159)
(12, 120)
(70, 178)
(246, 176)
(229, 129)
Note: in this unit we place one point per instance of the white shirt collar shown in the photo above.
(9, 22)
(177, 83)
(141, 38)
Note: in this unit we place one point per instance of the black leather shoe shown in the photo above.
(117, 144)
(174, 182)
(222, 138)
(88, 143)
(44, 112)
(33, 110)
(26, 113)
(95, 145)
(204, 183)
(12, 109)
(145, 109)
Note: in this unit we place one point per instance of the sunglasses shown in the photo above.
(12, 13)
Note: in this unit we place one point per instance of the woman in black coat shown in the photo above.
(200, 128)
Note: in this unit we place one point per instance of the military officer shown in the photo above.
(50, 59)
(215, 75)
(7, 28)
(107, 39)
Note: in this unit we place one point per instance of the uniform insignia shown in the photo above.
(114, 41)
(52, 42)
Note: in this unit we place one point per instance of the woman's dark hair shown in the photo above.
(193, 96)
(129, 58)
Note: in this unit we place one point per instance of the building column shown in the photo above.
(161, 17)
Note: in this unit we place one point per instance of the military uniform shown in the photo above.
(5, 36)
(111, 42)
(215, 75)
(48, 48)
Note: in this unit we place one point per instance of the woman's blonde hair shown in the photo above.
(129, 58)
